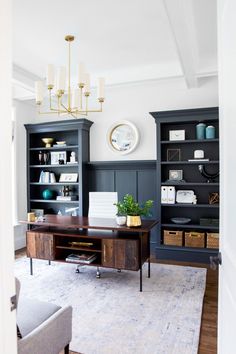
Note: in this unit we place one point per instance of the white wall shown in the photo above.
(24, 113)
(133, 102)
(227, 74)
(8, 343)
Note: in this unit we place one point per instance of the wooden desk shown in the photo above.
(115, 246)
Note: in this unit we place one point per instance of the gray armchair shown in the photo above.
(45, 328)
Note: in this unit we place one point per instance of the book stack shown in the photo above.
(66, 198)
(198, 160)
(85, 258)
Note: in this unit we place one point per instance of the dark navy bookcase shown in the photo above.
(186, 120)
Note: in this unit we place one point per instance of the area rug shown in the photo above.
(111, 316)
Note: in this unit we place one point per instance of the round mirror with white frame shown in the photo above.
(123, 137)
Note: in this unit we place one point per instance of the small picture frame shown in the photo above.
(68, 177)
(173, 154)
(58, 157)
(38, 212)
(177, 134)
(175, 175)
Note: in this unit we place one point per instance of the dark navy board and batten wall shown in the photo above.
(127, 177)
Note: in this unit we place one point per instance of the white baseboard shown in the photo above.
(19, 236)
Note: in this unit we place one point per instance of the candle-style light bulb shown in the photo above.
(87, 83)
(81, 76)
(61, 79)
(39, 92)
(101, 86)
(50, 76)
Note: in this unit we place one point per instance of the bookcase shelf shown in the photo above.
(199, 184)
(53, 184)
(190, 141)
(180, 205)
(55, 148)
(76, 135)
(53, 166)
(189, 162)
(190, 226)
(48, 201)
(192, 179)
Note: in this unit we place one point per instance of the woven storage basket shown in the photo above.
(195, 239)
(173, 238)
(212, 240)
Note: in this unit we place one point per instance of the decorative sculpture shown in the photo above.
(209, 176)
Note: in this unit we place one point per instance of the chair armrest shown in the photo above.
(51, 336)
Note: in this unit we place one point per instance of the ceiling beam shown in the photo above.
(181, 19)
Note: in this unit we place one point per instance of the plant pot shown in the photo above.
(121, 219)
(133, 221)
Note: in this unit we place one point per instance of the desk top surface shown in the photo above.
(90, 223)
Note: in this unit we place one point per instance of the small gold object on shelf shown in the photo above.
(48, 142)
(85, 244)
(214, 198)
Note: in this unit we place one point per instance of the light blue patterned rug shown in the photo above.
(111, 316)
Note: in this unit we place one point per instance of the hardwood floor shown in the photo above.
(208, 335)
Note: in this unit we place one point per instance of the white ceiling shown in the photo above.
(123, 40)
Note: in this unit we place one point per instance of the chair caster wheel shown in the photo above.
(98, 275)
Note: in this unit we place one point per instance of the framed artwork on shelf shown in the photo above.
(58, 157)
(175, 175)
(68, 177)
(38, 212)
(173, 154)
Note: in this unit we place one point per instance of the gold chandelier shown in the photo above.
(77, 100)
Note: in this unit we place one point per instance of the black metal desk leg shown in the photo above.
(140, 263)
(149, 254)
(31, 266)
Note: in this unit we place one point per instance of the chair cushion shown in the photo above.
(31, 313)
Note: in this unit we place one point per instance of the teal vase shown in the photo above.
(210, 132)
(201, 131)
(47, 194)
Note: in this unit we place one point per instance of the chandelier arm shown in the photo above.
(62, 112)
(81, 98)
(69, 88)
(51, 107)
(86, 104)
(60, 106)
(50, 97)
(67, 109)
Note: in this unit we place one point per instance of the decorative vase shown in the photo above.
(200, 131)
(210, 132)
(120, 220)
(47, 194)
(45, 158)
(133, 221)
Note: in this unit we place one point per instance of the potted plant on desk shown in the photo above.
(133, 210)
(121, 215)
